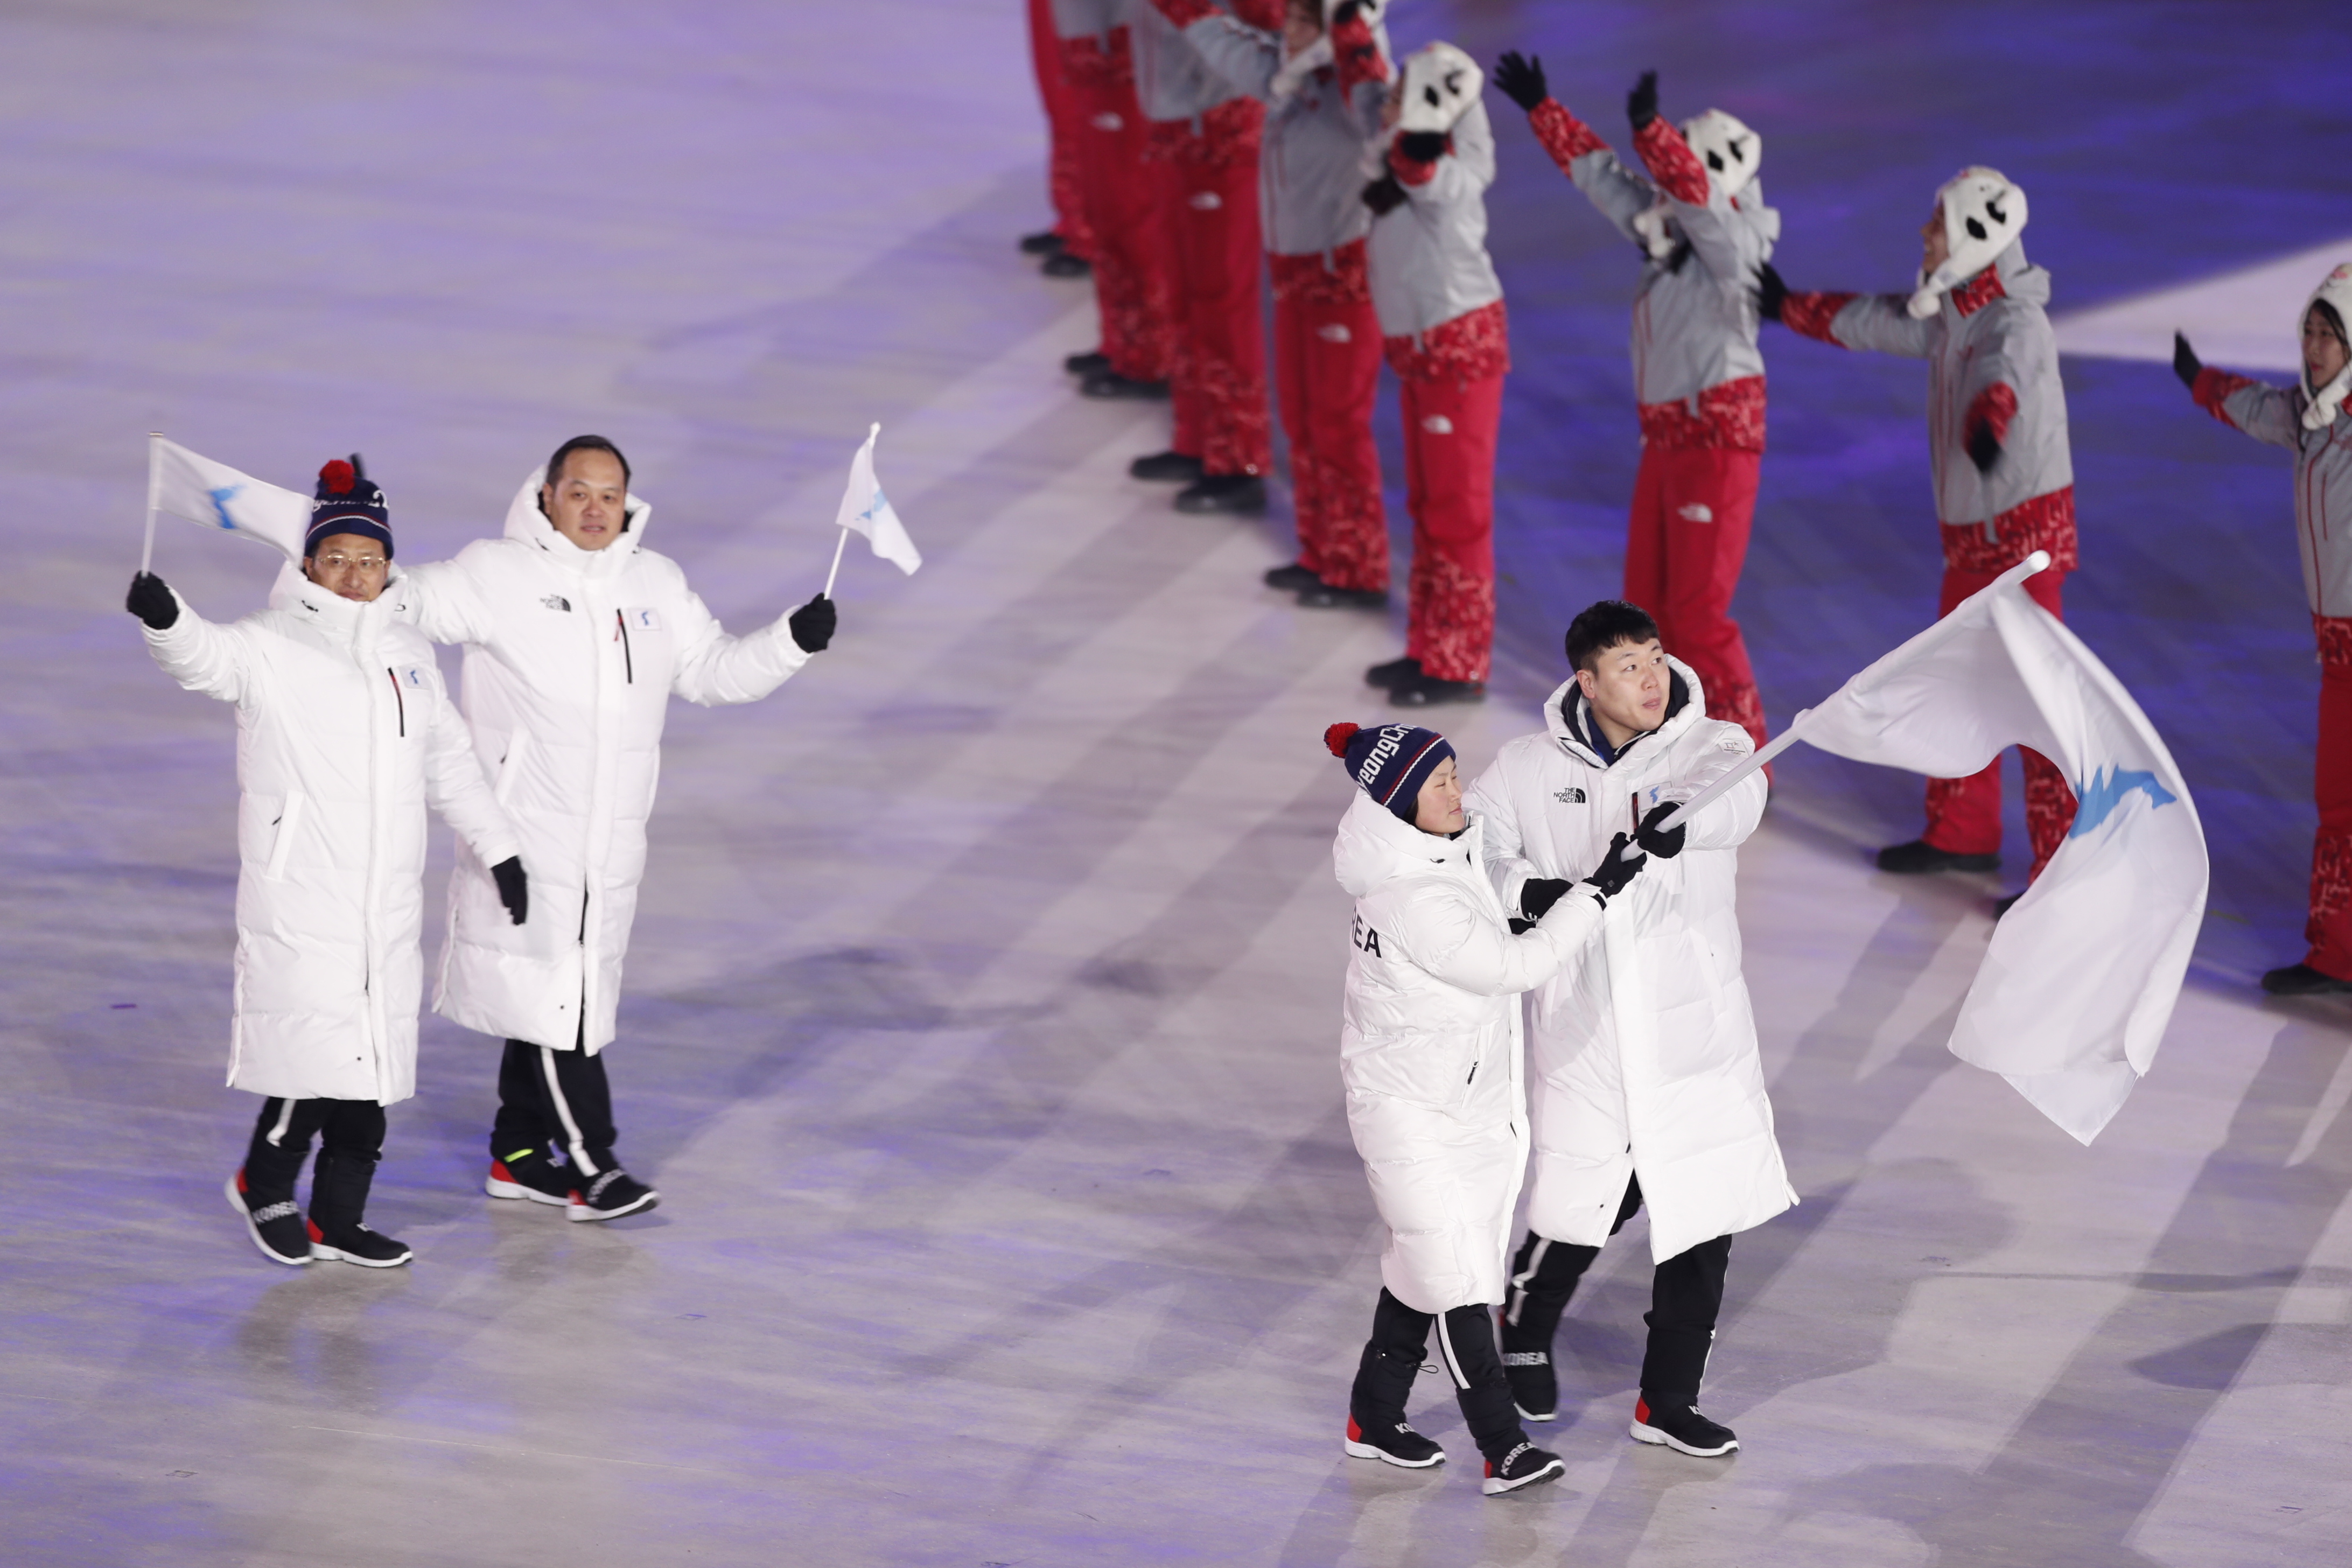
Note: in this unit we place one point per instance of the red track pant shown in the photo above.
(2329, 930)
(1066, 130)
(1688, 538)
(1122, 203)
(1449, 476)
(1209, 215)
(1964, 814)
(1327, 367)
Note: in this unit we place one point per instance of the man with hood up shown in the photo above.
(1647, 1087)
(345, 734)
(2004, 475)
(1700, 222)
(1429, 1051)
(576, 637)
(2311, 418)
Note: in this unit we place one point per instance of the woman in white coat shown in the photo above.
(345, 734)
(576, 637)
(1647, 1086)
(1429, 1051)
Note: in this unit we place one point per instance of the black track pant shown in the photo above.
(558, 1103)
(351, 1140)
(1465, 1344)
(1685, 1298)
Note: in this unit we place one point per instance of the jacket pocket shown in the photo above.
(289, 821)
(510, 765)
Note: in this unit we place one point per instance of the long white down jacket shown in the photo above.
(344, 733)
(1429, 1047)
(571, 658)
(1643, 1048)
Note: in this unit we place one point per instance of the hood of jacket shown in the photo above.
(1568, 715)
(1375, 847)
(340, 621)
(2019, 280)
(526, 523)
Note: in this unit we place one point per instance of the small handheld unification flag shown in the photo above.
(214, 495)
(866, 510)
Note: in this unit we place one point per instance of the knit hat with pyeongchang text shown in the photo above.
(1391, 762)
(348, 501)
(2327, 402)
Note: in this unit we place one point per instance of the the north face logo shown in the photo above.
(1569, 796)
(556, 602)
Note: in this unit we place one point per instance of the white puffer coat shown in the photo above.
(344, 733)
(1429, 1047)
(1643, 1049)
(571, 658)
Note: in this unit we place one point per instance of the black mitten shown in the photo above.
(1771, 291)
(1664, 846)
(1423, 146)
(813, 624)
(1984, 449)
(1520, 78)
(514, 887)
(1613, 874)
(1642, 103)
(1384, 195)
(152, 601)
(2185, 362)
(1538, 894)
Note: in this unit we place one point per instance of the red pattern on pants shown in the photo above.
(2329, 928)
(1208, 185)
(1066, 133)
(1327, 367)
(1687, 541)
(1122, 203)
(1452, 378)
(1964, 814)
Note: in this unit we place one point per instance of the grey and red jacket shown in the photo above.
(2323, 476)
(1993, 368)
(1698, 375)
(1198, 116)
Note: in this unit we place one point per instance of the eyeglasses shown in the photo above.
(339, 561)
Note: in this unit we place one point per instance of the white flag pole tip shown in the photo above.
(839, 545)
(154, 492)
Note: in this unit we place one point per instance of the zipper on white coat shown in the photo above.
(628, 660)
(399, 703)
(289, 818)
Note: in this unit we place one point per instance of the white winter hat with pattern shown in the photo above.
(2326, 402)
(1441, 83)
(1983, 214)
(1730, 151)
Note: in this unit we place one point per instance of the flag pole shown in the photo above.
(829, 576)
(154, 493)
(2038, 561)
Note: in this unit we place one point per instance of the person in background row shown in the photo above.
(2005, 475)
(1327, 341)
(1647, 1086)
(345, 734)
(1122, 206)
(1704, 232)
(1069, 241)
(576, 636)
(2311, 419)
(1445, 335)
(1429, 1051)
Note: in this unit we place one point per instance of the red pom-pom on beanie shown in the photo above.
(338, 476)
(1337, 736)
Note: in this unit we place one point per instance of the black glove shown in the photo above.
(812, 625)
(1642, 103)
(1538, 894)
(1613, 874)
(1520, 78)
(1984, 449)
(1771, 291)
(1384, 195)
(1346, 13)
(514, 887)
(1423, 146)
(152, 601)
(1664, 846)
(2185, 362)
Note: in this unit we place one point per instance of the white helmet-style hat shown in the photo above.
(1729, 150)
(1441, 83)
(2327, 402)
(1983, 214)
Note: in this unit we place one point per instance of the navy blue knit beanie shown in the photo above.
(348, 501)
(1391, 762)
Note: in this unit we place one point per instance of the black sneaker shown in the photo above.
(1045, 242)
(1400, 1445)
(1522, 1467)
(1292, 579)
(276, 1227)
(1324, 597)
(528, 1174)
(611, 1196)
(358, 1244)
(1919, 858)
(1427, 691)
(1062, 264)
(1110, 386)
(1174, 467)
(1683, 1429)
(1395, 672)
(1535, 1387)
(1094, 361)
(2302, 980)
(1238, 495)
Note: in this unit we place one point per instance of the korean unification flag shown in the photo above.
(2083, 971)
(215, 495)
(866, 510)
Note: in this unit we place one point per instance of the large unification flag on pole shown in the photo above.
(215, 495)
(2081, 977)
(866, 510)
